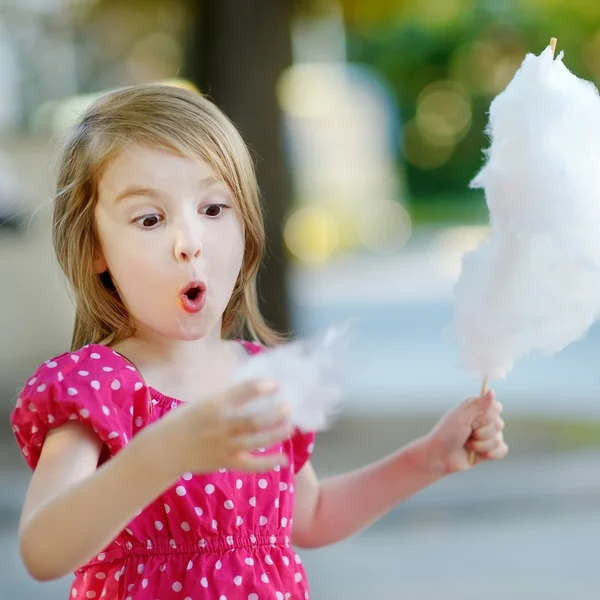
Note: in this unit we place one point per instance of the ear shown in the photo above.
(99, 264)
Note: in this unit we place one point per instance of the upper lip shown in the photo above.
(194, 283)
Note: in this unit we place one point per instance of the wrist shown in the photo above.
(427, 458)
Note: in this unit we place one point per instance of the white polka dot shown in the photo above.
(32, 407)
(167, 508)
(264, 578)
(139, 421)
(238, 484)
(116, 384)
(215, 525)
(140, 568)
(298, 577)
(253, 538)
(252, 596)
(204, 582)
(51, 364)
(202, 543)
(100, 575)
(286, 561)
(282, 486)
(90, 594)
(210, 488)
(279, 595)
(112, 435)
(187, 476)
(276, 502)
(221, 470)
(138, 386)
(177, 587)
(283, 521)
(190, 565)
(34, 429)
(158, 525)
(222, 597)
(273, 539)
(73, 592)
(106, 410)
(162, 568)
(83, 373)
(252, 501)
(72, 391)
(144, 583)
(262, 449)
(85, 413)
(229, 540)
(239, 521)
(107, 369)
(228, 504)
(237, 580)
(277, 468)
(41, 388)
(149, 544)
(101, 556)
(131, 410)
(172, 543)
(218, 565)
(262, 484)
(249, 561)
(180, 490)
(310, 448)
(95, 384)
(32, 381)
(186, 526)
(60, 376)
(268, 560)
(94, 355)
(198, 510)
(297, 559)
(263, 520)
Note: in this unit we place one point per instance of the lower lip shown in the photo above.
(195, 305)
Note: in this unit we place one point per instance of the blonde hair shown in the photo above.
(165, 118)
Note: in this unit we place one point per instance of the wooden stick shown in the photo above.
(553, 45)
(472, 454)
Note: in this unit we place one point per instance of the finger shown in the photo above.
(263, 439)
(269, 414)
(475, 407)
(243, 392)
(497, 454)
(487, 445)
(245, 461)
(489, 430)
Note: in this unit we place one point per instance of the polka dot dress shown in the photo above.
(221, 536)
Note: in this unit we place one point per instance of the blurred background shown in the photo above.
(367, 122)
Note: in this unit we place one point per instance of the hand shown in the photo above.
(221, 432)
(475, 426)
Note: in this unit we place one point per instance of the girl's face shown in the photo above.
(172, 239)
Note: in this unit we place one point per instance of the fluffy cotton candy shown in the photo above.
(307, 376)
(534, 284)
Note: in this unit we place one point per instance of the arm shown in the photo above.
(341, 506)
(68, 496)
(322, 513)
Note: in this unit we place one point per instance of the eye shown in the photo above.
(214, 210)
(149, 221)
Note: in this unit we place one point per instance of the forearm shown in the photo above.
(68, 529)
(348, 503)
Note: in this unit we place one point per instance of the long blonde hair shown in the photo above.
(165, 118)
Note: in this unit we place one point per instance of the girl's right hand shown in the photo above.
(220, 432)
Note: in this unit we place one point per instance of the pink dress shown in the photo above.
(221, 536)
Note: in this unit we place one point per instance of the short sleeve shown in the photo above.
(302, 448)
(59, 393)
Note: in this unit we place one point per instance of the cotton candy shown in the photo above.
(533, 285)
(308, 379)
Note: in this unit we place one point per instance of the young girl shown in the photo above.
(149, 482)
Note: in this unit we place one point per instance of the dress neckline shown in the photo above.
(157, 394)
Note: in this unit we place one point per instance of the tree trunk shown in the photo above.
(238, 50)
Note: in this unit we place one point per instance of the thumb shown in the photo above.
(475, 407)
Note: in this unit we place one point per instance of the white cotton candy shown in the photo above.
(306, 372)
(534, 284)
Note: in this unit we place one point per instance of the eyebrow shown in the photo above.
(135, 190)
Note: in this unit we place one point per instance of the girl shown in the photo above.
(149, 482)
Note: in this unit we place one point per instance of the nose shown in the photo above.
(188, 244)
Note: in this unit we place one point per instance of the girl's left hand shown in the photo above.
(474, 426)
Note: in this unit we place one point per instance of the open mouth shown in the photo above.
(193, 297)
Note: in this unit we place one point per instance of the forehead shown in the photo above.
(154, 168)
